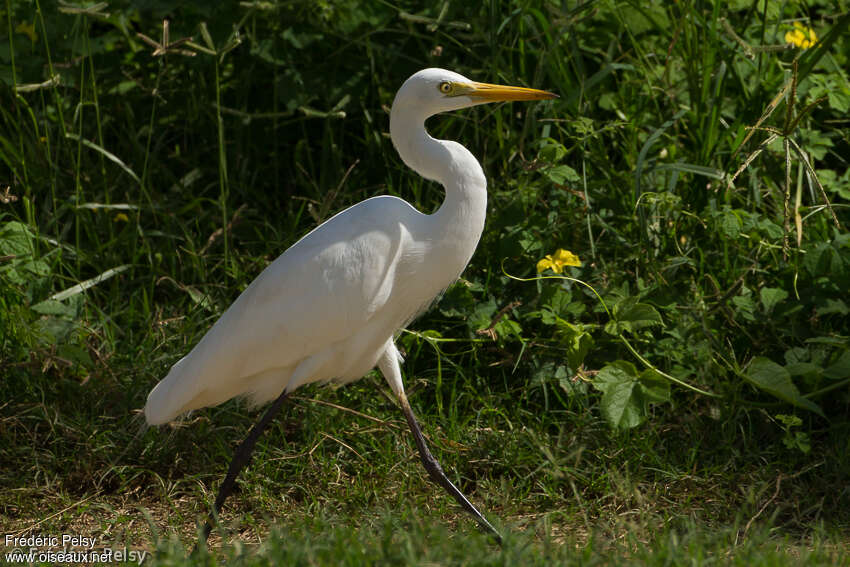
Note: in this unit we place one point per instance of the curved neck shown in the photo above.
(460, 218)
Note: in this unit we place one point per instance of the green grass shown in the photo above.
(163, 185)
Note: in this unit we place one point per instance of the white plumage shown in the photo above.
(329, 306)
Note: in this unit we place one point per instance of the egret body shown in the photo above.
(328, 308)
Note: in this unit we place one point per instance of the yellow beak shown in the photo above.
(493, 93)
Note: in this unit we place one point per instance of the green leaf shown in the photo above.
(654, 387)
(833, 306)
(457, 301)
(577, 341)
(54, 307)
(551, 151)
(75, 354)
(562, 175)
(730, 224)
(507, 327)
(746, 306)
(16, 238)
(557, 299)
(770, 296)
(626, 395)
(776, 380)
(483, 315)
(789, 420)
(799, 440)
(840, 369)
(629, 315)
(618, 382)
(839, 100)
(803, 368)
(824, 260)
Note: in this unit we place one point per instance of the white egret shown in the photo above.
(328, 308)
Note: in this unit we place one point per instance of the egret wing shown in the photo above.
(320, 291)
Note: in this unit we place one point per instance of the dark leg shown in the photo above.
(241, 458)
(436, 471)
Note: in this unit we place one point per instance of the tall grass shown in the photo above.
(145, 182)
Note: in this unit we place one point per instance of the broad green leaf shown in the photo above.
(617, 382)
(730, 224)
(631, 316)
(840, 369)
(53, 307)
(833, 306)
(551, 151)
(557, 299)
(507, 327)
(654, 387)
(746, 306)
(797, 354)
(457, 301)
(839, 100)
(771, 296)
(570, 384)
(626, 395)
(75, 354)
(824, 260)
(640, 315)
(15, 238)
(482, 317)
(562, 175)
(770, 229)
(803, 368)
(577, 341)
(776, 380)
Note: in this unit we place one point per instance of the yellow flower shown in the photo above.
(557, 261)
(28, 30)
(121, 217)
(801, 36)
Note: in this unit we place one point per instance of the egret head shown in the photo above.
(431, 91)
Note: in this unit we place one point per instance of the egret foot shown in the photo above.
(241, 457)
(436, 471)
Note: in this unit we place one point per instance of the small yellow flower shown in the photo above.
(27, 30)
(121, 217)
(801, 36)
(557, 261)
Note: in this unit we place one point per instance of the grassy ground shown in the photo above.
(694, 412)
(328, 485)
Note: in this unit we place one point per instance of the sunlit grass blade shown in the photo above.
(89, 283)
(107, 154)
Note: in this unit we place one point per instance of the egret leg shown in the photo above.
(241, 458)
(436, 471)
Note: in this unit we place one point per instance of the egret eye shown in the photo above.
(445, 87)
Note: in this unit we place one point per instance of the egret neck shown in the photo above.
(458, 223)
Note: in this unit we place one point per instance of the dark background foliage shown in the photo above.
(148, 181)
